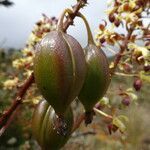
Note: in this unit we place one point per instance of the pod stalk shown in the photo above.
(90, 37)
(69, 11)
(60, 21)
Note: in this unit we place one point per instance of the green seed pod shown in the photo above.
(42, 127)
(98, 77)
(59, 68)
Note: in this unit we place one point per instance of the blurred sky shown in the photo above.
(17, 21)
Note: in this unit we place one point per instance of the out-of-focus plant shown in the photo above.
(133, 58)
(6, 3)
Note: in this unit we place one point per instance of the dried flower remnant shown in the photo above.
(11, 83)
(140, 54)
(41, 28)
(107, 35)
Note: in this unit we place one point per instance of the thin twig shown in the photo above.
(76, 8)
(84, 134)
(78, 121)
(102, 113)
(9, 120)
(123, 47)
(125, 74)
(16, 102)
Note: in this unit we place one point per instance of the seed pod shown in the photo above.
(111, 17)
(59, 68)
(42, 127)
(97, 78)
(146, 68)
(137, 84)
(117, 23)
(102, 40)
(126, 101)
(126, 7)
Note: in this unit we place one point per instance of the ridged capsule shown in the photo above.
(43, 123)
(97, 77)
(59, 68)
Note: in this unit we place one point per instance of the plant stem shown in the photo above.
(102, 113)
(75, 11)
(125, 74)
(78, 121)
(16, 102)
(123, 47)
(89, 33)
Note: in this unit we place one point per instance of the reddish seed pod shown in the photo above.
(101, 27)
(59, 68)
(46, 30)
(126, 7)
(39, 34)
(117, 23)
(127, 67)
(137, 84)
(43, 126)
(126, 101)
(147, 68)
(102, 40)
(147, 43)
(39, 23)
(111, 18)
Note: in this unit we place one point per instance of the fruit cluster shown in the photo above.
(63, 70)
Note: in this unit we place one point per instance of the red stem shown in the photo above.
(123, 47)
(75, 11)
(78, 121)
(16, 102)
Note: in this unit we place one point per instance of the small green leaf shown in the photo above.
(130, 90)
(123, 118)
(145, 77)
(111, 65)
(131, 93)
(117, 121)
(104, 101)
(133, 96)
